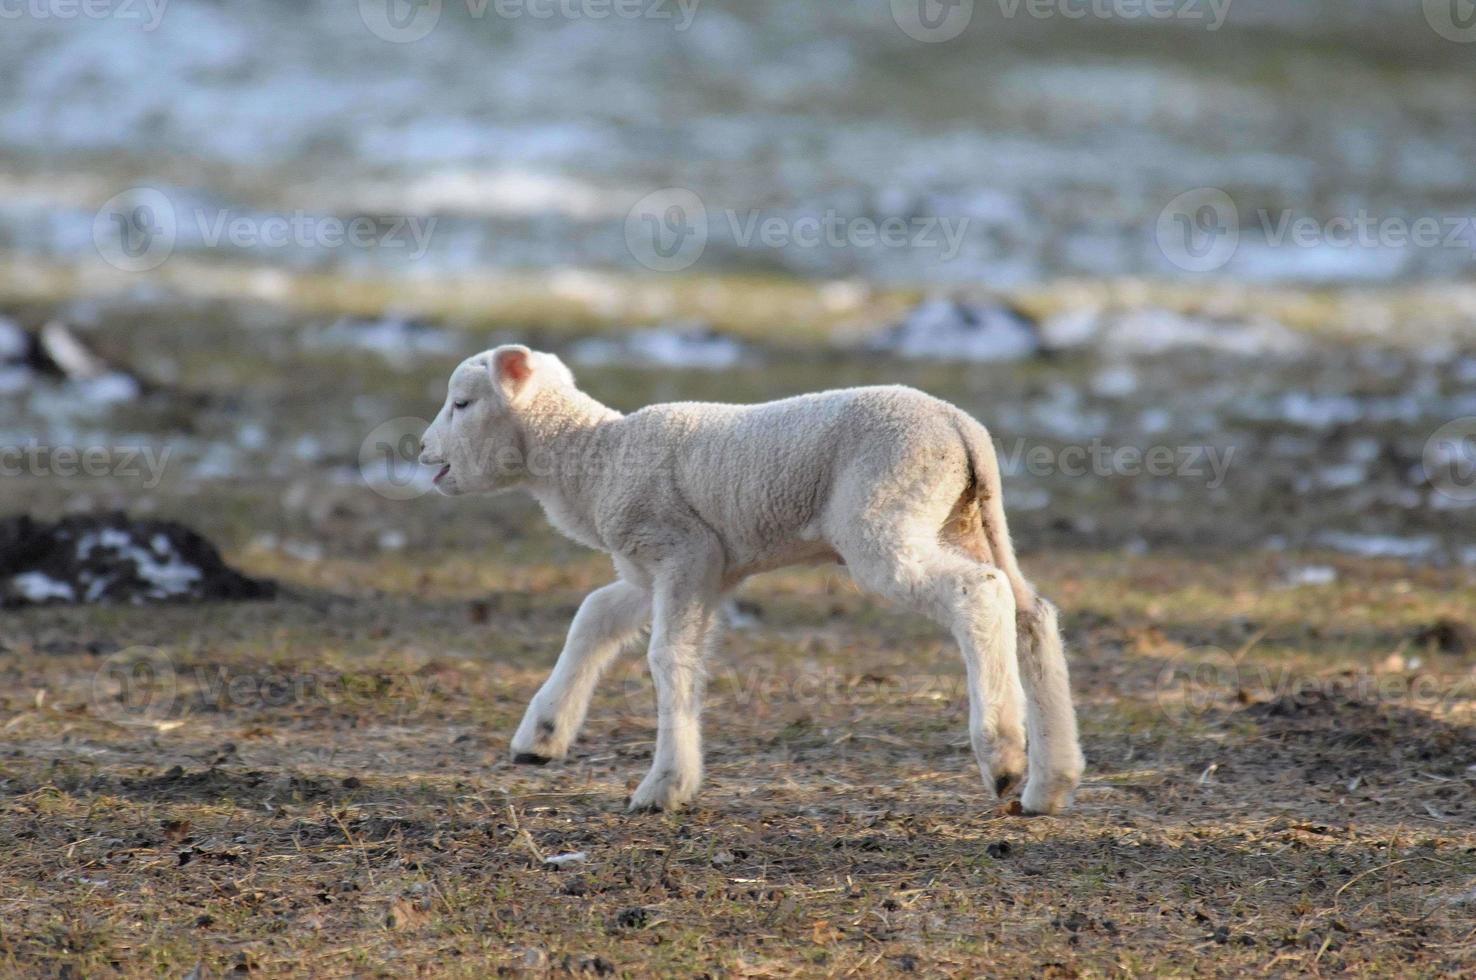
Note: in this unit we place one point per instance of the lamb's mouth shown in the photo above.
(441, 473)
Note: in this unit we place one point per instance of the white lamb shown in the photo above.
(689, 499)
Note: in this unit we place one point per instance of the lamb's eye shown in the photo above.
(460, 404)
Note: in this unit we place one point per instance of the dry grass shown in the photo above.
(327, 792)
(777, 310)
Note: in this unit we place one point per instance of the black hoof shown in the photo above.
(531, 759)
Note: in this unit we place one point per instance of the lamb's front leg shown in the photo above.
(685, 617)
(607, 620)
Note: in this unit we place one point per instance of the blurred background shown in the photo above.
(1234, 237)
(1057, 130)
(1203, 267)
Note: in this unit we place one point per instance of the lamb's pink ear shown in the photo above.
(512, 369)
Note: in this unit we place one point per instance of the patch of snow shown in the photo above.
(251, 435)
(1342, 475)
(308, 449)
(502, 193)
(1364, 449)
(1291, 447)
(1155, 331)
(305, 551)
(1115, 381)
(1073, 328)
(113, 388)
(741, 615)
(397, 340)
(687, 347)
(1317, 411)
(158, 564)
(1377, 545)
(1031, 498)
(1155, 420)
(941, 329)
(1313, 575)
(1444, 501)
(40, 587)
(1061, 415)
(564, 860)
(14, 379)
(13, 340)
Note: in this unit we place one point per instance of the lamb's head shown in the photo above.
(479, 442)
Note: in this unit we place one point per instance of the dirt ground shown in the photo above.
(1281, 742)
(1280, 782)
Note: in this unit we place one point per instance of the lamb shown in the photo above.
(689, 499)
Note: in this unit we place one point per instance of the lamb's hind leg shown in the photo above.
(976, 603)
(608, 619)
(1056, 761)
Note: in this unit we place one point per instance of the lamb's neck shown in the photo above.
(564, 424)
(569, 444)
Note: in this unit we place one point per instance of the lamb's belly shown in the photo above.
(780, 554)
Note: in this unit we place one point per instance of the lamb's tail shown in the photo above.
(1055, 755)
(989, 492)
